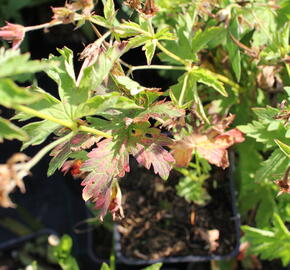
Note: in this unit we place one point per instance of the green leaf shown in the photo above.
(137, 41)
(109, 10)
(164, 34)
(9, 131)
(11, 94)
(64, 76)
(12, 63)
(233, 49)
(206, 77)
(47, 104)
(38, 132)
(105, 267)
(259, 131)
(131, 86)
(155, 266)
(128, 29)
(95, 74)
(159, 111)
(202, 38)
(176, 90)
(96, 19)
(191, 188)
(283, 147)
(270, 244)
(276, 164)
(266, 114)
(62, 254)
(101, 105)
(149, 49)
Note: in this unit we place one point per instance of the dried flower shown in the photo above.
(283, 183)
(63, 14)
(86, 5)
(149, 8)
(11, 176)
(115, 206)
(13, 32)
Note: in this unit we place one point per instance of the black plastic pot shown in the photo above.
(192, 258)
(123, 260)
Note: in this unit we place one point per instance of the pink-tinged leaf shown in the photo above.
(62, 151)
(149, 152)
(236, 134)
(105, 163)
(209, 145)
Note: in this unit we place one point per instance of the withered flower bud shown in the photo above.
(63, 14)
(13, 32)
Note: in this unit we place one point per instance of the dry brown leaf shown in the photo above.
(213, 237)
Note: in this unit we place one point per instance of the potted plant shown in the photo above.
(101, 117)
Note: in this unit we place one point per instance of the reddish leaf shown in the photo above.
(209, 145)
(149, 151)
(105, 164)
(62, 152)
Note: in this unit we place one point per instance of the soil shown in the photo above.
(159, 224)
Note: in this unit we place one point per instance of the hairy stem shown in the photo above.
(69, 124)
(236, 87)
(39, 114)
(94, 131)
(172, 55)
(48, 24)
(133, 68)
(183, 90)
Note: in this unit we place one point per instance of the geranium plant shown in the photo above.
(223, 58)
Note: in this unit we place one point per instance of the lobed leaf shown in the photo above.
(202, 38)
(63, 151)
(283, 147)
(11, 94)
(9, 131)
(206, 77)
(38, 132)
(13, 64)
(270, 244)
(149, 48)
(105, 163)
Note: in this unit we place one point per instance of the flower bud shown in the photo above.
(13, 32)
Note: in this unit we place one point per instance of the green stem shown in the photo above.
(69, 124)
(183, 90)
(48, 25)
(133, 68)
(151, 29)
(172, 55)
(236, 87)
(46, 149)
(39, 114)
(94, 131)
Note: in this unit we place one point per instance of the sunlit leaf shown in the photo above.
(9, 131)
